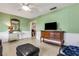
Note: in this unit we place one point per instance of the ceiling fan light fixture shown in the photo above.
(26, 8)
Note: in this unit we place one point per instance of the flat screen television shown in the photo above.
(51, 26)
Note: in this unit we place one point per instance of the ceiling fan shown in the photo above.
(29, 6)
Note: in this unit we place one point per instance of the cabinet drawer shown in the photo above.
(57, 38)
(52, 34)
(45, 34)
(57, 33)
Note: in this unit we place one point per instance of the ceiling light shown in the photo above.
(26, 8)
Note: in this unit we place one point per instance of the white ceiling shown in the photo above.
(37, 9)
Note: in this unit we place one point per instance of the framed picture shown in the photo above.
(15, 23)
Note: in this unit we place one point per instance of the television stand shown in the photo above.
(52, 36)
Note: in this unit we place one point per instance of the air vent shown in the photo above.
(53, 8)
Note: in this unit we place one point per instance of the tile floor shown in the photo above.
(9, 48)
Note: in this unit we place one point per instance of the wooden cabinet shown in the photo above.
(55, 37)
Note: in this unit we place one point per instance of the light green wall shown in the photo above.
(5, 19)
(67, 19)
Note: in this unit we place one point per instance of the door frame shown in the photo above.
(31, 28)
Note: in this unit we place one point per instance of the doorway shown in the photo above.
(33, 30)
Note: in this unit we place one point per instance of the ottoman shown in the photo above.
(27, 50)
